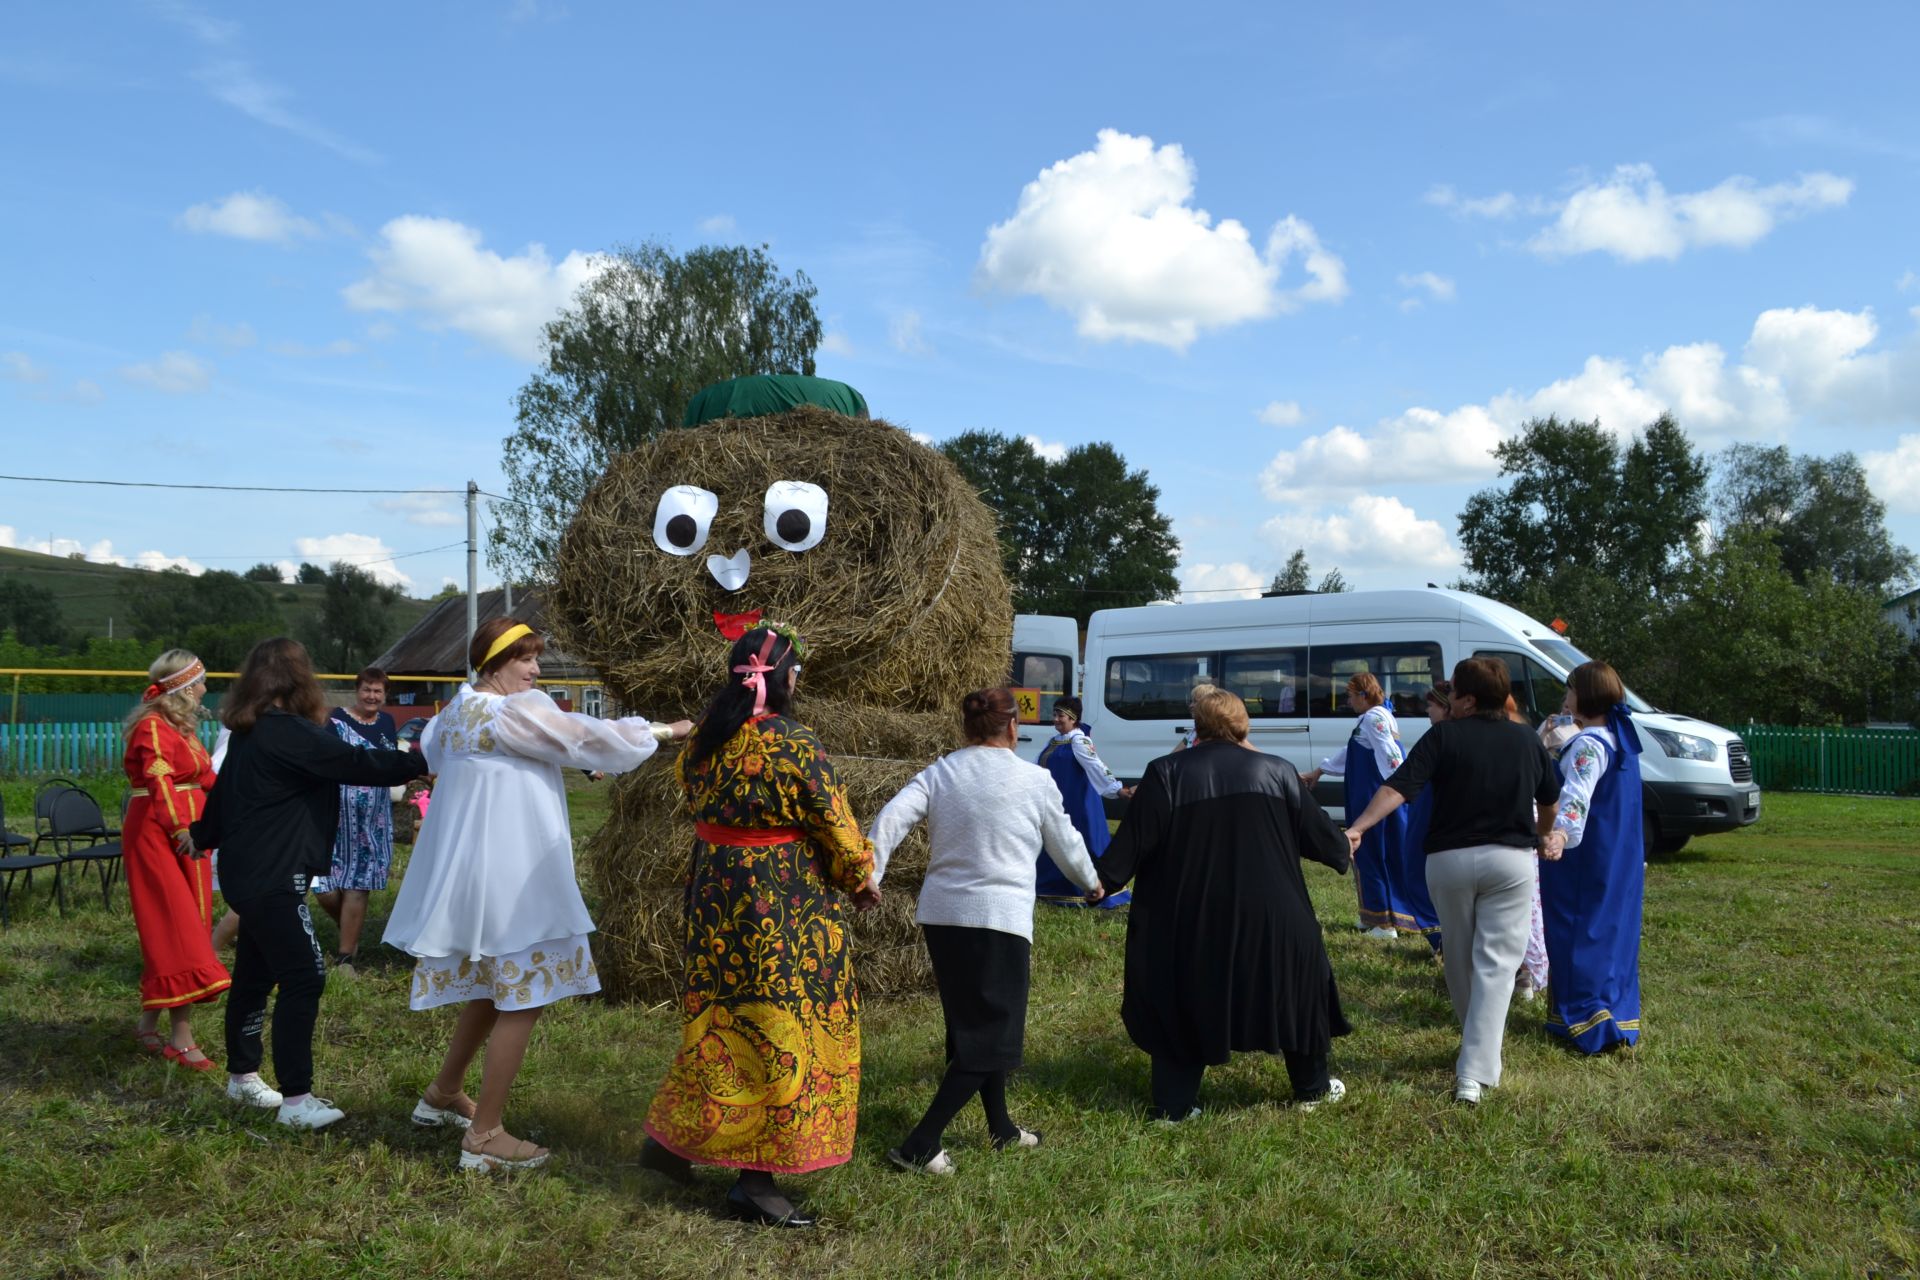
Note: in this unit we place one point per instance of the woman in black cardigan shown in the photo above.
(272, 814)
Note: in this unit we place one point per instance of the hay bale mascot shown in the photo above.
(781, 501)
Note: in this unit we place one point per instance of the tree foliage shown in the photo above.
(1825, 520)
(622, 363)
(1296, 576)
(264, 572)
(218, 615)
(309, 575)
(355, 622)
(1076, 535)
(32, 613)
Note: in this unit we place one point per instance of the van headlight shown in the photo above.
(1685, 746)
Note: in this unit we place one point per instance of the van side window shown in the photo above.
(1406, 669)
(1272, 681)
(1046, 672)
(1154, 686)
(1536, 690)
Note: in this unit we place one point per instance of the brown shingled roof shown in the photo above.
(437, 644)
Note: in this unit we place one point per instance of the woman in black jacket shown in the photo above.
(273, 814)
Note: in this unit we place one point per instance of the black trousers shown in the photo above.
(276, 948)
(1176, 1085)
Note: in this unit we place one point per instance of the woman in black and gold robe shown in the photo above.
(1224, 954)
(767, 1079)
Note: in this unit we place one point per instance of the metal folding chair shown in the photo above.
(76, 817)
(13, 863)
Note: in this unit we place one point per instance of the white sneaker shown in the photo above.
(1523, 986)
(310, 1113)
(1465, 1090)
(941, 1163)
(252, 1090)
(1168, 1122)
(428, 1116)
(1382, 932)
(1336, 1090)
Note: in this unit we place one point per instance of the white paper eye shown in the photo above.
(681, 521)
(796, 515)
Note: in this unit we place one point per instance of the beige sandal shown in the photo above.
(520, 1155)
(434, 1112)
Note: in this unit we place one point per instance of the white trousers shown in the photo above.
(1483, 895)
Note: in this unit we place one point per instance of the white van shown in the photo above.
(1046, 665)
(1290, 657)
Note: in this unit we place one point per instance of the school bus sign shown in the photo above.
(1027, 703)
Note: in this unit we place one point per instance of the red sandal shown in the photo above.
(150, 1041)
(179, 1057)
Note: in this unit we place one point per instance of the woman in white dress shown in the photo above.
(489, 908)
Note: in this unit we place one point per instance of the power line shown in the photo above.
(225, 488)
(107, 567)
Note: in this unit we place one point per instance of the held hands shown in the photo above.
(1311, 777)
(1354, 837)
(1126, 793)
(183, 844)
(1554, 845)
(867, 896)
(1096, 893)
(681, 730)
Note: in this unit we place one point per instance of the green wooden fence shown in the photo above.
(1866, 762)
(96, 746)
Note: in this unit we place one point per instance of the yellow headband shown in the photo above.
(515, 632)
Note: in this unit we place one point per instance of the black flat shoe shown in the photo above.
(744, 1207)
(674, 1167)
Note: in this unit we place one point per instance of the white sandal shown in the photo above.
(526, 1155)
(430, 1115)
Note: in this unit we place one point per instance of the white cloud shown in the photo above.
(99, 552)
(428, 509)
(86, 391)
(720, 224)
(1373, 532)
(361, 549)
(338, 347)
(175, 372)
(1503, 205)
(18, 366)
(437, 269)
(1633, 217)
(1051, 452)
(1907, 280)
(205, 329)
(1282, 413)
(1109, 235)
(1437, 287)
(249, 215)
(903, 331)
(835, 343)
(1235, 581)
(1894, 475)
(921, 437)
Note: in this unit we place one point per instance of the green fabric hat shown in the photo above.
(759, 394)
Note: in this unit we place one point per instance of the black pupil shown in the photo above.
(681, 530)
(793, 525)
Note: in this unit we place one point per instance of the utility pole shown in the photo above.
(473, 562)
(509, 601)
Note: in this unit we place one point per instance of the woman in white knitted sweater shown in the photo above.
(988, 814)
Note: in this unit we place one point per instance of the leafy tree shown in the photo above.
(622, 363)
(355, 621)
(1076, 535)
(1334, 583)
(32, 613)
(218, 615)
(1825, 518)
(263, 572)
(309, 575)
(1296, 575)
(449, 591)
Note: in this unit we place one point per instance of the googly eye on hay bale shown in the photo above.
(869, 544)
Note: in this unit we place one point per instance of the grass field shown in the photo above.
(1768, 1125)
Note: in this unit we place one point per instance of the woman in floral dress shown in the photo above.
(767, 1079)
(363, 847)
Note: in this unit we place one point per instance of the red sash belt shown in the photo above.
(746, 837)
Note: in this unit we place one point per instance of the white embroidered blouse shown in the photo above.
(1105, 785)
(1581, 765)
(1380, 732)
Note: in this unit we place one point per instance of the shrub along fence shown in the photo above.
(1866, 762)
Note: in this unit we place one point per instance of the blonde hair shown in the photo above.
(176, 708)
(1219, 714)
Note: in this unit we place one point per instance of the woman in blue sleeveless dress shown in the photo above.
(1419, 816)
(1085, 783)
(1369, 758)
(1593, 873)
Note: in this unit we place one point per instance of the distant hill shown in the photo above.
(90, 594)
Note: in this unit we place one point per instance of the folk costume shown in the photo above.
(490, 909)
(363, 849)
(172, 896)
(1592, 896)
(768, 1073)
(1084, 782)
(1224, 953)
(1388, 863)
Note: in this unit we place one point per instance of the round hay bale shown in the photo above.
(902, 604)
(638, 859)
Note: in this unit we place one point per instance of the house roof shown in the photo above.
(437, 644)
(1912, 597)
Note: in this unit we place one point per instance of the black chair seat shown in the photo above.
(27, 862)
(14, 840)
(102, 852)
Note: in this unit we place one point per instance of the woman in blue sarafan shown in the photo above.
(1085, 783)
(1369, 758)
(1439, 706)
(1593, 873)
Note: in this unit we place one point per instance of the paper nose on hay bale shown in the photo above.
(872, 546)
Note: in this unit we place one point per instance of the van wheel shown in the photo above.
(1671, 844)
(1652, 841)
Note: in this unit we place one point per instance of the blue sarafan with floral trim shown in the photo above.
(768, 1072)
(1592, 896)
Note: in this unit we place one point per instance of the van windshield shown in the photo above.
(1566, 657)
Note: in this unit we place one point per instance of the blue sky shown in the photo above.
(1305, 266)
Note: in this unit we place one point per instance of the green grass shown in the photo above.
(1767, 1125)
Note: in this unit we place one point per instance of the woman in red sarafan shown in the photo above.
(171, 893)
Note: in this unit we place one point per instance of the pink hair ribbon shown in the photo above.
(756, 669)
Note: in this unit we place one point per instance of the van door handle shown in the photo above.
(1026, 737)
(1280, 728)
